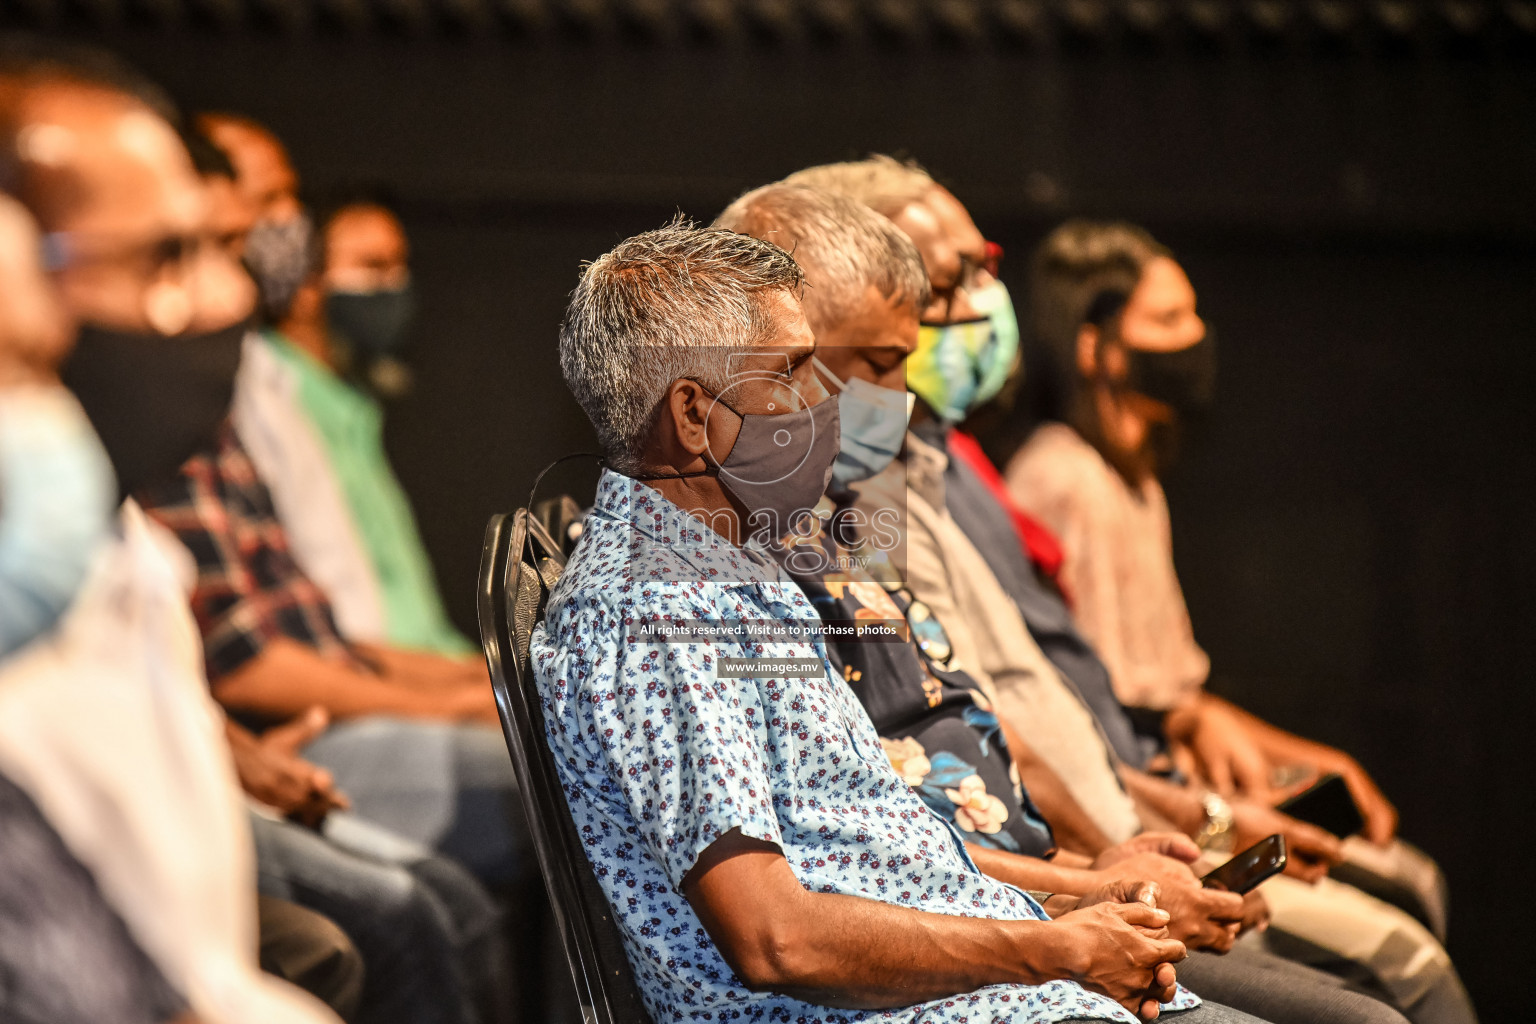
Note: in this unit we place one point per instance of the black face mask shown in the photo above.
(154, 400)
(376, 323)
(1184, 380)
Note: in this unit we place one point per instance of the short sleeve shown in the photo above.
(249, 590)
(650, 731)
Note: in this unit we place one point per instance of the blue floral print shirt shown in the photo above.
(659, 757)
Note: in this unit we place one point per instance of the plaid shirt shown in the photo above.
(249, 590)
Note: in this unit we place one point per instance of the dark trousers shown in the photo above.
(430, 936)
(1279, 990)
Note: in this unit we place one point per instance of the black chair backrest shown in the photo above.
(519, 565)
(561, 517)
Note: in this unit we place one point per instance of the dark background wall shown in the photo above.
(1357, 211)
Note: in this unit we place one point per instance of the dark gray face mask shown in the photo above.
(779, 467)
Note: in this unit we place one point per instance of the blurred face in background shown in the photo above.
(1158, 317)
(368, 297)
(1160, 314)
(1152, 366)
(278, 244)
(231, 214)
(267, 180)
(365, 250)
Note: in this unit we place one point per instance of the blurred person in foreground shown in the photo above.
(408, 736)
(760, 853)
(56, 496)
(55, 512)
(865, 288)
(967, 349)
(163, 309)
(1116, 314)
(431, 934)
(144, 893)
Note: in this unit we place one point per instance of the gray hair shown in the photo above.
(882, 183)
(665, 305)
(842, 245)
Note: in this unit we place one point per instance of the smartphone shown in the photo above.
(1262, 860)
(1328, 805)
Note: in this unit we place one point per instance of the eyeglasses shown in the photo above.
(993, 259)
(926, 630)
(149, 259)
(971, 269)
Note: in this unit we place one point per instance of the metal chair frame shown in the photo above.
(519, 565)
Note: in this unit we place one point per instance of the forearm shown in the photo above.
(857, 953)
(1072, 826)
(1282, 747)
(1034, 873)
(422, 668)
(288, 678)
(853, 952)
(1178, 805)
(240, 738)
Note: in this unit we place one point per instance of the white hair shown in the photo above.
(882, 183)
(842, 246)
(663, 306)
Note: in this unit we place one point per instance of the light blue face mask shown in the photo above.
(57, 497)
(874, 424)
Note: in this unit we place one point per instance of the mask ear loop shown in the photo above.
(828, 374)
(602, 463)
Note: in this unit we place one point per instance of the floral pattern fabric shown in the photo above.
(953, 788)
(659, 757)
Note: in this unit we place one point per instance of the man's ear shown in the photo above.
(1088, 351)
(687, 410)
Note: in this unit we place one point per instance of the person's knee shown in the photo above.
(481, 753)
(1210, 1013)
(1413, 966)
(311, 951)
(474, 913)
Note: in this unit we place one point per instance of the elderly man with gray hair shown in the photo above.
(763, 859)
